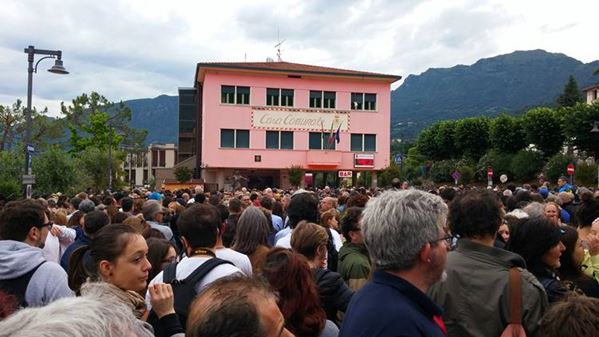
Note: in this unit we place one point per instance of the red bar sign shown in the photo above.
(364, 160)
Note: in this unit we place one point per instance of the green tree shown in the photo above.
(586, 174)
(578, 121)
(571, 95)
(55, 171)
(387, 175)
(526, 165)
(556, 166)
(11, 168)
(500, 162)
(472, 137)
(94, 163)
(296, 174)
(93, 121)
(544, 129)
(183, 174)
(44, 129)
(441, 170)
(506, 134)
(438, 141)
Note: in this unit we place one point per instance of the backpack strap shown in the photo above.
(515, 296)
(204, 269)
(18, 285)
(170, 273)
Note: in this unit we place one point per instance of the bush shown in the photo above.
(10, 189)
(467, 174)
(500, 162)
(586, 175)
(183, 174)
(393, 171)
(526, 164)
(441, 171)
(296, 174)
(556, 166)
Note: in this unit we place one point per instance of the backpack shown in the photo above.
(183, 290)
(16, 288)
(333, 254)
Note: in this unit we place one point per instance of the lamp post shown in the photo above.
(594, 130)
(57, 68)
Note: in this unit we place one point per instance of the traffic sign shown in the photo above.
(30, 148)
(398, 158)
(570, 169)
(456, 175)
(489, 172)
(28, 179)
(503, 178)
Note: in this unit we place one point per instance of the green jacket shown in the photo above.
(475, 295)
(354, 265)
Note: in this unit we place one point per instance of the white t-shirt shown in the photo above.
(285, 241)
(188, 265)
(336, 239)
(240, 260)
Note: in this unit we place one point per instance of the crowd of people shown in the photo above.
(324, 262)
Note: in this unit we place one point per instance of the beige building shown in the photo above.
(156, 163)
(592, 93)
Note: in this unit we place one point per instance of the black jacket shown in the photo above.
(333, 292)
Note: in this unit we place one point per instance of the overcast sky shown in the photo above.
(126, 49)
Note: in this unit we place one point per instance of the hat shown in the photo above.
(507, 193)
(155, 196)
(544, 192)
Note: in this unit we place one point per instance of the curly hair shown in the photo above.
(289, 274)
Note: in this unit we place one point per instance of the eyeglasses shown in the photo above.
(48, 224)
(448, 240)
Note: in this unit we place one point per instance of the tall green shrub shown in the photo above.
(526, 165)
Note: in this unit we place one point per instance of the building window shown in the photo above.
(279, 97)
(234, 95)
(272, 96)
(286, 97)
(329, 100)
(231, 138)
(363, 142)
(279, 140)
(320, 141)
(322, 99)
(361, 101)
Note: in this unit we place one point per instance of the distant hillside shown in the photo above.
(159, 115)
(509, 83)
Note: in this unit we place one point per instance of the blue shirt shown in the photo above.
(389, 306)
(277, 222)
(80, 241)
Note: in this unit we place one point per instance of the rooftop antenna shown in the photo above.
(278, 46)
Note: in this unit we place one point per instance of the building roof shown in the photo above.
(291, 68)
(590, 87)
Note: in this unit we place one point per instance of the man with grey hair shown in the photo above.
(153, 212)
(404, 233)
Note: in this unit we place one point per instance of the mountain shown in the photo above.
(159, 115)
(510, 83)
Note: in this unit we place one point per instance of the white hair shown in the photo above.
(534, 210)
(398, 223)
(74, 317)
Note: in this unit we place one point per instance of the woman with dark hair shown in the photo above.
(310, 240)
(537, 240)
(570, 270)
(587, 216)
(117, 255)
(251, 236)
(161, 252)
(289, 274)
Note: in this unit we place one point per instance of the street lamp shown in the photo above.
(57, 68)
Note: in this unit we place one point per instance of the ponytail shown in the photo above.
(77, 271)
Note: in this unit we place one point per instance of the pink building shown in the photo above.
(256, 120)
